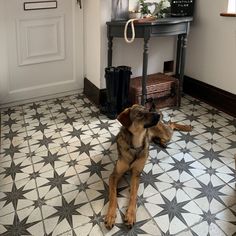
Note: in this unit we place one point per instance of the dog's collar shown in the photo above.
(137, 149)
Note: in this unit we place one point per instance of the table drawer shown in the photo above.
(168, 29)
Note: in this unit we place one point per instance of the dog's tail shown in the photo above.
(179, 127)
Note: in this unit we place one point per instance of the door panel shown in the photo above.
(45, 50)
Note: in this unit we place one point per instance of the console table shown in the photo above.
(173, 26)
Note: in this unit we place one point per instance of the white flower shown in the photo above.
(165, 4)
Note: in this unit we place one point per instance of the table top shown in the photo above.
(162, 21)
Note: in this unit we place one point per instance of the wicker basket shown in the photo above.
(162, 88)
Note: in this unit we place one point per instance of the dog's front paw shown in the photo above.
(110, 220)
(130, 218)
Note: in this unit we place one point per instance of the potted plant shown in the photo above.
(144, 8)
(161, 8)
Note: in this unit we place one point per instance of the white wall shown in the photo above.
(97, 13)
(211, 52)
(92, 41)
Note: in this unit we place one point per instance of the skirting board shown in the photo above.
(96, 95)
(213, 96)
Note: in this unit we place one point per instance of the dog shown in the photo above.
(139, 128)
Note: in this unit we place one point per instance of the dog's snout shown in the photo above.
(155, 117)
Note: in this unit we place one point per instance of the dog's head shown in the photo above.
(137, 117)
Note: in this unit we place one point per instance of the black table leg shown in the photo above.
(109, 55)
(182, 63)
(178, 56)
(145, 65)
(184, 41)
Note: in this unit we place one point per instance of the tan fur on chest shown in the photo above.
(139, 134)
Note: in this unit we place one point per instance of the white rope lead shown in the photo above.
(131, 22)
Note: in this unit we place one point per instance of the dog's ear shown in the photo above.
(124, 118)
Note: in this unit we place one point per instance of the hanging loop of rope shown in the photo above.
(131, 22)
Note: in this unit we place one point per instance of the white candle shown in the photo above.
(231, 6)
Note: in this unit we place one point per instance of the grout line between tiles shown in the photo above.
(78, 174)
(40, 207)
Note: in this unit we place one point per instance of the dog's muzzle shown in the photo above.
(154, 120)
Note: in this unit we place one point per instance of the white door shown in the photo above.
(43, 48)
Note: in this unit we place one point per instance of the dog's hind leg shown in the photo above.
(120, 168)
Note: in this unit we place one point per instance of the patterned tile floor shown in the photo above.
(57, 155)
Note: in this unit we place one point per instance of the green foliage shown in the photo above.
(144, 7)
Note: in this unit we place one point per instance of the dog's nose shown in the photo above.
(155, 117)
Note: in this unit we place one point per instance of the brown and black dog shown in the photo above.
(139, 128)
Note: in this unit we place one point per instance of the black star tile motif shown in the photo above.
(135, 230)
(209, 217)
(58, 101)
(141, 200)
(95, 168)
(94, 114)
(9, 111)
(173, 208)
(50, 158)
(39, 202)
(169, 207)
(213, 111)
(210, 171)
(34, 106)
(64, 110)
(14, 196)
(213, 130)
(11, 135)
(182, 166)
(96, 219)
(85, 148)
(45, 141)
(187, 137)
(154, 160)
(150, 179)
(82, 187)
(80, 97)
(12, 170)
(41, 127)
(211, 155)
(178, 184)
(12, 150)
(195, 102)
(37, 116)
(34, 175)
(69, 120)
(67, 210)
(18, 227)
(191, 117)
(57, 181)
(86, 105)
(104, 125)
(10, 122)
(76, 133)
(106, 152)
(72, 163)
(210, 192)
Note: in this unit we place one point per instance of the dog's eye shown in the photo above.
(140, 115)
